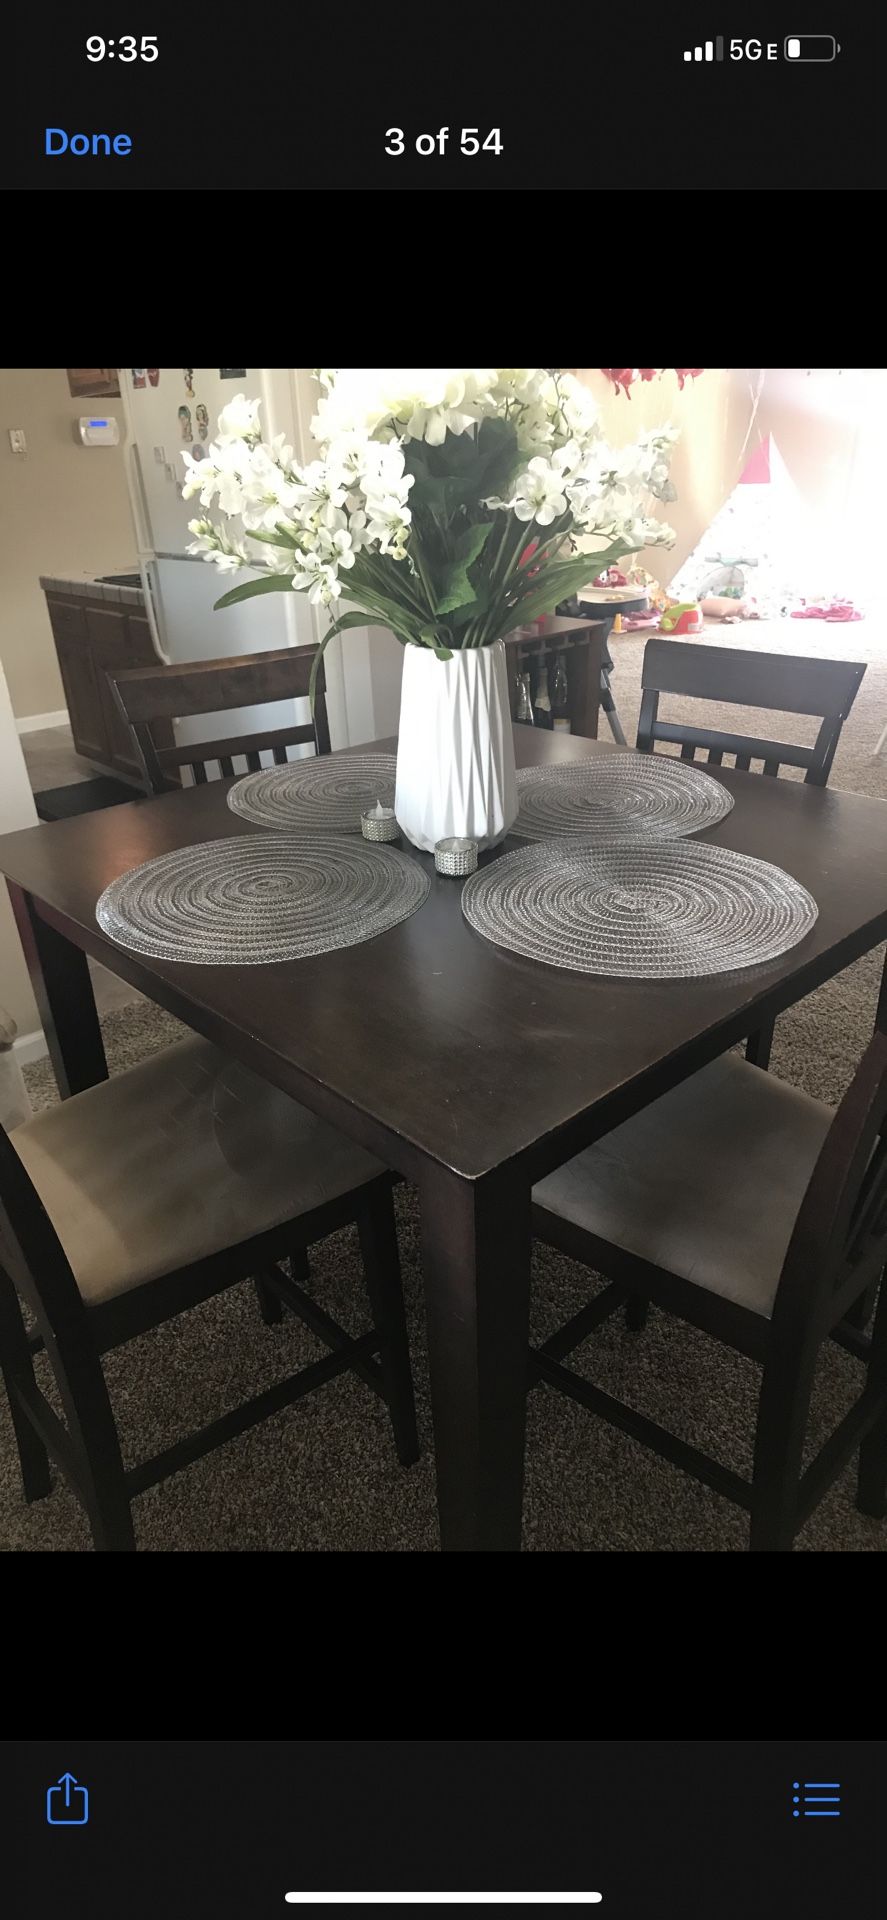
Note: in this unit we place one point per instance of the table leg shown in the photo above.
(476, 1266)
(758, 1045)
(584, 687)
(607, 701)
(62, 988)
(609, 706)
(860, 1313)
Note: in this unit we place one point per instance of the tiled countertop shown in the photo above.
(85, 586)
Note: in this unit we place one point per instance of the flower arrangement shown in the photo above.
(431, 494)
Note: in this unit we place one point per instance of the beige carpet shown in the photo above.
(323, 1476)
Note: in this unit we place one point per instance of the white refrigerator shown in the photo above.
(170, 411)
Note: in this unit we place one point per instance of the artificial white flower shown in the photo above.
(539, 494)
(239, 419)
(211, 544)
(354, 497)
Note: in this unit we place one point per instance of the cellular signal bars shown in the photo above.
(713, 50)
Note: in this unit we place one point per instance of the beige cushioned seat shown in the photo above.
(706, 1182)
(183, 1155)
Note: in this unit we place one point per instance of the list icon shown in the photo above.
(816, 1799)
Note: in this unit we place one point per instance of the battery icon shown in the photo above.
(811, 46)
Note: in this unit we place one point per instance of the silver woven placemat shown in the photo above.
(326, 795)
(257, 897)
(647, 913)
(618, 799)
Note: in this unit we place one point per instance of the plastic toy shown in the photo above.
(727, 578)
(683, 617)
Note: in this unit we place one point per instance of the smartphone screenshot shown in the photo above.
(258, 1830)
(444, 98)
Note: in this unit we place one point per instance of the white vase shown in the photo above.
(455, 750)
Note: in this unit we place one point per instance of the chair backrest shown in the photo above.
(145, 695)
(785, 683)
(839, 1241)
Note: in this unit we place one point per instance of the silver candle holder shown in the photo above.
(379, 823)
(456, 857)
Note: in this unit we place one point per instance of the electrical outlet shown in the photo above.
(17, 440)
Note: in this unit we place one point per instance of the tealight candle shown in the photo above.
(456, 857)
(379, 823)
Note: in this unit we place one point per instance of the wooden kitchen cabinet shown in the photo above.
(82, 696)
(92, 637)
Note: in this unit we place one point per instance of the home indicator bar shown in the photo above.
(441, 1899)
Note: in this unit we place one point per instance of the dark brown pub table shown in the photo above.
(471, 1071)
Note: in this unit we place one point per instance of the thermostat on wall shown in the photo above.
(97, 433)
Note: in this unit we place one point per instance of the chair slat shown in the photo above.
(237, 743)
(146, 696)
(785, 683)
(688, 751)
(199, 771)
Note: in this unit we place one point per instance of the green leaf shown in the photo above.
(339, 626)
(560, 579)
(271, 583)
(464, 471)
(473, 610)
(455, 588)
(279, 538)
(429, 639)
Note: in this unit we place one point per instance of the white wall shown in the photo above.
(64, 509)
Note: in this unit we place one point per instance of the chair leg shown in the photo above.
(99, 1479)
(636, 1312)
(378, 1246)
(758, 1045)
(18, 1371)
(779, 1446)
(871, 1486)
(862, 1309)
(271, 1306)
(871, 1491)
(270, 1303)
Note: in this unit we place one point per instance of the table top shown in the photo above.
(614, 600)
(429, 1042)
